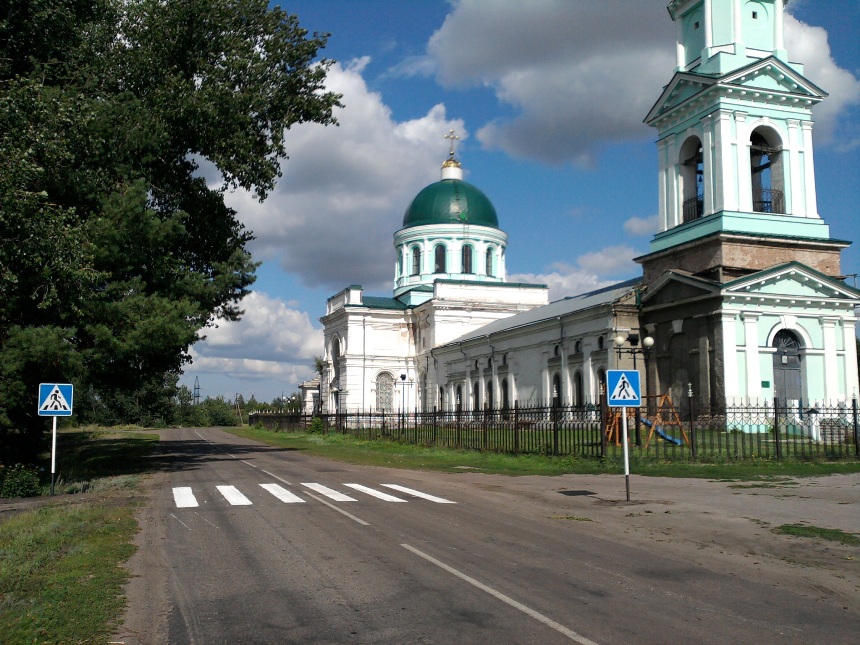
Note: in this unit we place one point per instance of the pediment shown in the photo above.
(792, 280)
(674, 287)
(768, 79)
(772, 75)
(682, 87)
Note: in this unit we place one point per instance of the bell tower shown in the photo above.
(736, 177)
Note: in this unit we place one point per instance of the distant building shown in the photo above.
(741, 297)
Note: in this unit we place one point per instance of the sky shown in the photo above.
(548, 98)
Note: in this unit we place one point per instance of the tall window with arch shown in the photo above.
(440, 259)
(692, 179)
(489, 262)
(578, 393)
(385, 392)
(556, 391)
(506, 397)
(490, 400)
(416, 260)
(766, 172)
(468, 257)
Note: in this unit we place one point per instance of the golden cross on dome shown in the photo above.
(452, 137)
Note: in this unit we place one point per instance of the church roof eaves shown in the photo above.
(510, 285)
(563, 307)
(823, 277)
(379, 302)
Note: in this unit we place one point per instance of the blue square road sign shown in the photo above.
(55, 399)
(622, 389)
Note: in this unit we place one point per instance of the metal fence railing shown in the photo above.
(773, 430)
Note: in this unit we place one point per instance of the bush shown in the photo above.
(316, 426)
(19, 480)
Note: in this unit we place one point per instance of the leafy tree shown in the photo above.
(115, 251)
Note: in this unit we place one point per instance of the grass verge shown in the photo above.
(61, 565)
(806, 530)
(61, 577)
(393, 454)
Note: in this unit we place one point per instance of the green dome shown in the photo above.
(450, 201)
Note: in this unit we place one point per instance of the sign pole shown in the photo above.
(53, 454)
(626, 453)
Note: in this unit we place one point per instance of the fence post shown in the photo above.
(856, 436)
(435, 410)
(776, 427)
(555, 416)
(517, 426)
(693, 448)
(602, 423)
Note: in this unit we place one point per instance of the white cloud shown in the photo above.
(593, 271)
(272, 343)
(809, 45)
(345, 189)
(577, 77)
(642, 225)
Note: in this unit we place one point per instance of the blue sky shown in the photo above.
(548, 97)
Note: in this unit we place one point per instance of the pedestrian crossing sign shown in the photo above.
(55, 399)
(622, 387)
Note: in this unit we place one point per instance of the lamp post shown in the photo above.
(633, 348)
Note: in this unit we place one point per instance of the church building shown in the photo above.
(741, 297)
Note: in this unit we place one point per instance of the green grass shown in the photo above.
(806, 530)
(101, 459)
(60, 573)
(393, 454)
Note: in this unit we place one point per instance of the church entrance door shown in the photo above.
(787, 372)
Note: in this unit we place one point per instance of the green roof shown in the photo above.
(450, 201)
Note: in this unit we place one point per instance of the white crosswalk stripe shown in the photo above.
(375, 493)
(282, 493)
(330, 493)
(416, 493)
(184, 496)
(232, 495)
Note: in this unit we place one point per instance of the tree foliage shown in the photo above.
(115, 250)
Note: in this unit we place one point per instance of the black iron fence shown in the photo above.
(771, 431)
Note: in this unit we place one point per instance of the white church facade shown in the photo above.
(741, 297)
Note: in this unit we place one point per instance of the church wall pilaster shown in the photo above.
(753, 362)
(831, 364)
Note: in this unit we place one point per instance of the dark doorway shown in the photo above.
(787, 368)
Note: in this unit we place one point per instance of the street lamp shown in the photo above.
(403, 393)
(632, 340)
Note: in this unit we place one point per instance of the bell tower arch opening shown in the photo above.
(766, 171)
(691, 164)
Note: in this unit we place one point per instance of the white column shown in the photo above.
(851, 385)
(794, 187)
(662, 179)
(725, 187)
(737, 23)
(753, 367)
(709, 28)
(730, 356)
(809, 171)
(831, 372)
(742, 171)
(708, 166)
(679, 46)
(673, 169)
(778, 40)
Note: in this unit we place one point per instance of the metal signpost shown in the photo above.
(55, 400)
(624, 391)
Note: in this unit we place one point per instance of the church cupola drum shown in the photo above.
(450, 231)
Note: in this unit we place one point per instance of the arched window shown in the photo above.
(385, 392)
(459, 401)
(489, 262)
(556, 390)
(335, 359)
(601, 380)
(766, 171)
(416, 260)
(439, 259)
(476, 396)
(600, 342)
(490, 401)
(692, 184)
(578, 398)
(468, 253)
(441, 398)
(506, 400)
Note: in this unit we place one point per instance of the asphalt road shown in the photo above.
(258, 547)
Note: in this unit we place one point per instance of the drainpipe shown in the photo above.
(563, 385)
(363, 361)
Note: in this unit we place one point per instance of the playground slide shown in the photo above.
(662, 434)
